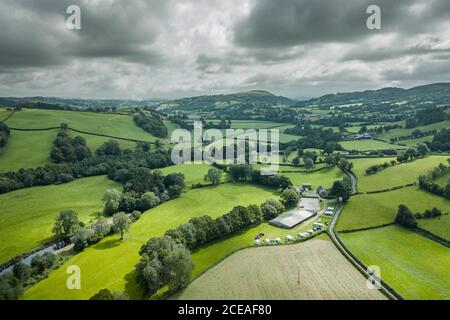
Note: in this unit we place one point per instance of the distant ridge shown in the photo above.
(430, 91)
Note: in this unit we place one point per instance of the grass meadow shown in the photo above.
(397, 175)
(27, 150)
(27, 215)
(413, 265)
(110, 263)
(376, 209)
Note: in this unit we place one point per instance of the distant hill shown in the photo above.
(255, 98)
(436, 92)
(61, 103)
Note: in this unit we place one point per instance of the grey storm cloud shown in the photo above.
(173, 48)
(34, 32)
(300, 22)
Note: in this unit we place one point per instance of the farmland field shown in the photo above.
(407, 132)
(413, 265)
(101, 123)
(370, 210)
(110, 263)
(208, 255)
(415, 142)
(324, 177)
(272, 273)
(27, 215)
(26, 150)
(368, 145)
(393, 176)
(439, 226)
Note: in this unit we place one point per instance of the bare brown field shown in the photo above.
(311, 270)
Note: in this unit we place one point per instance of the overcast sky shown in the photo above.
(173, 48)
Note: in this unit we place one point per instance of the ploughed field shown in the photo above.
(311, 270)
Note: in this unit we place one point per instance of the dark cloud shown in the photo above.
(299, 22)
(34, 32)
(362, 53)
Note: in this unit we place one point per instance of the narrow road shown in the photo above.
(331, 232)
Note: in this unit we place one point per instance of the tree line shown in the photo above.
(4, 134)
(167, 260)
(406, 218)
(426, 182)
(120, 165)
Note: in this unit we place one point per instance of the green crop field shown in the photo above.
(407, 132)
(442, 181)
(370, 210)
(324, 177)
(439, 226)
(110, 263)
(368, 145)
(393, 176)
(413, 265)
(274, 272)
(415, 142)
(27, 215)
(194, 173)
(100, 123)
(27, 150)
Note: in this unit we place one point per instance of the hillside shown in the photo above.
(249, 104)
(437, 92)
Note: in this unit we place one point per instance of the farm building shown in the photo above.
(292, 218)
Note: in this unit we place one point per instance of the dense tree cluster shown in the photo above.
(4, 134)
(313, 138)
(426, 182)
(164, 262)
(246, 173)
(271, 208)
(341, 189)
(428, 214)
(411, 153)
(106, 294)
(290, 197)
(68, 149)
(441, 141)
(378, 167)
(121, 168)
(152, 123)
(427, 116)
(405, 217)
(167, 261)
(12, 283)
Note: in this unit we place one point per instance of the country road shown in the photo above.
(331, 232)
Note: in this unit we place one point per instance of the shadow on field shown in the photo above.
(108, 244)
(133, 290)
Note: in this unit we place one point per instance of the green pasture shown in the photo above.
(26, 150)
(369, 210)
(110, 263)
(397, 175)
(413, 265)
(368, 145)
(27, 215)
(100, 123)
